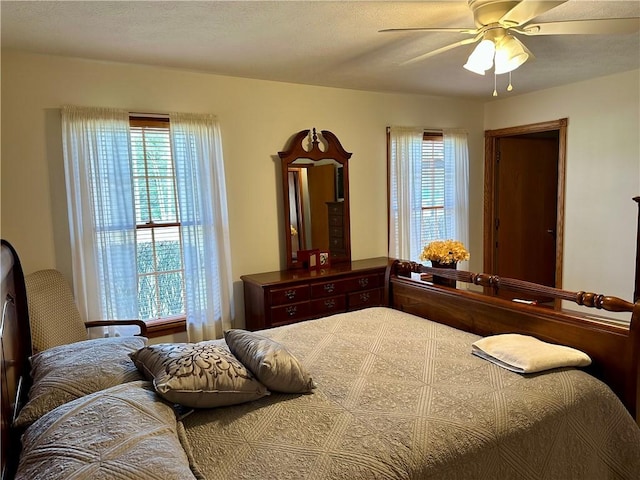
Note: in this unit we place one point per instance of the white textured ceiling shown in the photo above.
(315, 42)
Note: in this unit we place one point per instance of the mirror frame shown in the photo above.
(333, 150)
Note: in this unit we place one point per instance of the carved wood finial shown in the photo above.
(333, 149)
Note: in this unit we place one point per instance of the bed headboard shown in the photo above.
(614, 347)
(15, 351)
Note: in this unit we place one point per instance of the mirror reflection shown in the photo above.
(316, 201)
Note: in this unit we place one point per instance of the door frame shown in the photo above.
(491, 138)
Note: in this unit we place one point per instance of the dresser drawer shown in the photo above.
(289, 313)
(336, 221)
(335, 208)
(366, 298)
(336, 231)
(329, 305)
(282, 296)
(365, 282)
(336, 244)
(328, 288)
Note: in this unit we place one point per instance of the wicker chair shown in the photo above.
(53, 313)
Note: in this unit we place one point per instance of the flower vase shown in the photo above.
(446, 282)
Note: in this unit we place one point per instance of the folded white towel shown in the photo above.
(525, 354)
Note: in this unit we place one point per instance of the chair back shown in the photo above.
(53, 313)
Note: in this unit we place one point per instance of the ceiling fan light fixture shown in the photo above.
(481, 59)
(510, 54)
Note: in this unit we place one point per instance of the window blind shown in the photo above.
(433, 187)
(159, 246)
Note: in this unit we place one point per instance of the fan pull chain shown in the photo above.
(509, 87)
(495, 84)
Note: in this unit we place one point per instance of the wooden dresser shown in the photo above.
(277, 298)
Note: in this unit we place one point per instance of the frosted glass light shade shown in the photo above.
(510, 54)
(481, 59)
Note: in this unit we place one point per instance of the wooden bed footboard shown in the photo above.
(613, 346)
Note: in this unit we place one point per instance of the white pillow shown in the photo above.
(526, 354)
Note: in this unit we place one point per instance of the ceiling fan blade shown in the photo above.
(441, 50)
(583, 27)
(526, 10)
(470, 31)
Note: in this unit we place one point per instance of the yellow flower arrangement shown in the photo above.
(445, 251)
(294, 232)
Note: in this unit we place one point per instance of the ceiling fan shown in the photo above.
(498, 20)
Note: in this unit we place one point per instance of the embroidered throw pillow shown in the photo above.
(198, 375)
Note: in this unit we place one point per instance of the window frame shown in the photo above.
(157, 327)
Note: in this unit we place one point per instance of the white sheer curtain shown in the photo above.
(197, 152)
(97, 163)
(456, 160)
(405, 185)
(405, 210)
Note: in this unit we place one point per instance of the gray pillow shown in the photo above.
(64, 373)
(124, 432)
(269, 361)
(198, 375)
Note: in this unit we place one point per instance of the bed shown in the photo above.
(396, 396)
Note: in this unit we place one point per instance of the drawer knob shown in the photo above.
(330, 303)
(363, 282)
(291, 310)
(329, 287)
(290, 294)
(365, 296)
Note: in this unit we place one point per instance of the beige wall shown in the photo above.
(603, 174)
(257, 118)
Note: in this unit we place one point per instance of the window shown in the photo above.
(432, 220)
(159, 252)
(428, 188)
(149, 235)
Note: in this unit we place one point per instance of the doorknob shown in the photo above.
(551, 232)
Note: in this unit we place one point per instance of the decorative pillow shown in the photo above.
(124, 432)
(64, 373)
(198, 375)
(525, 354)
(269, 361)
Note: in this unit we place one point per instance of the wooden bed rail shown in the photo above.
(613, 345)
(495, 282)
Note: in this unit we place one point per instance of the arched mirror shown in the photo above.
(316, 197)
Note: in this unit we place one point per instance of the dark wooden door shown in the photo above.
(526, 193)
